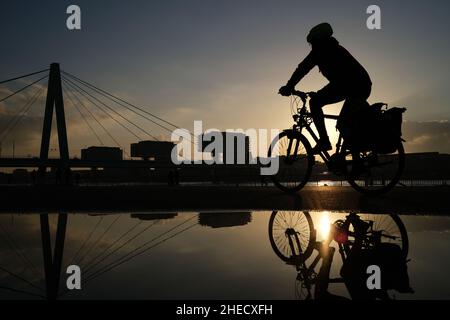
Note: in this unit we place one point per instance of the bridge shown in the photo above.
(91, 103)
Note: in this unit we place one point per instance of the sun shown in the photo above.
(324, 225)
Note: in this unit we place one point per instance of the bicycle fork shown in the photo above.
(293, 156)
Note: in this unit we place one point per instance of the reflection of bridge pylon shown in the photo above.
(54, 101)
(53, 261)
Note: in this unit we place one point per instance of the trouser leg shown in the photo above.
(352, 109)
(319, 120)
(327, 95)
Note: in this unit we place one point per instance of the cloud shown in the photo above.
(17, 121)
(426, 104)
(427, 136)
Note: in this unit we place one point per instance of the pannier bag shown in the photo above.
(387, 130)
(372, 129)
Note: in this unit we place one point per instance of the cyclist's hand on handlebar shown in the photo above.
(286, 91)
(301, 94)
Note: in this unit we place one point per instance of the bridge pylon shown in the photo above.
(55, 102)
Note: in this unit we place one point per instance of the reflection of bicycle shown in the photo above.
(359, 238)
(366, 171)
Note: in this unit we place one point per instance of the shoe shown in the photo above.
(322, 145)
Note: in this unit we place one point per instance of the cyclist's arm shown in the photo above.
(303, 68)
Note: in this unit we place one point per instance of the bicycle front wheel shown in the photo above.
(295, 160)
(292, 235)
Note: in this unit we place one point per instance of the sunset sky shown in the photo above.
(223, 61)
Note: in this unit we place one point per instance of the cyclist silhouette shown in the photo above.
(348, 80)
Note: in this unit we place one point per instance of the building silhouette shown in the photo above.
(154, 216)
(224, 219)
(152, 150)
(235, 146)
(102, 154)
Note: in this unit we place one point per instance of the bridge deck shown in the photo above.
(79, 163)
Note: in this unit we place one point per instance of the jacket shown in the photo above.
(335, 63)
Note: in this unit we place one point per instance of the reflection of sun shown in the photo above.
(324, 225)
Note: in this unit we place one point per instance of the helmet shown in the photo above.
(320, 32)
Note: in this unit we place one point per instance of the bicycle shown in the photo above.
(293, 239)
(365, 170)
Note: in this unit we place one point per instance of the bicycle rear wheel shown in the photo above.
(389, 227)
(377, 173)
(295, 160)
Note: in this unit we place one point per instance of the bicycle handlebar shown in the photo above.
(302, 95)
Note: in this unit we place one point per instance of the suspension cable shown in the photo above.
(114, 111)
(80, 260)
(106, 267)
(119, 99)
(90, 264)
(85, 241)
(24, 76)
(127, 257)
(23, 88)
(96, 120)
(123, 103)
(77, 89)
(68, 95)
(20, 117)
(121, 246)
(18, 113)
(140, 253)
(18, 251)
(22, 291)
(14, 275)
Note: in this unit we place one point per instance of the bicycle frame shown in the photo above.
(359, 164)
(303, 120)
(321, 280)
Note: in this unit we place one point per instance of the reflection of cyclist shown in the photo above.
(387, 256)
(390, 259)
(349, 81)
(359, 245)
